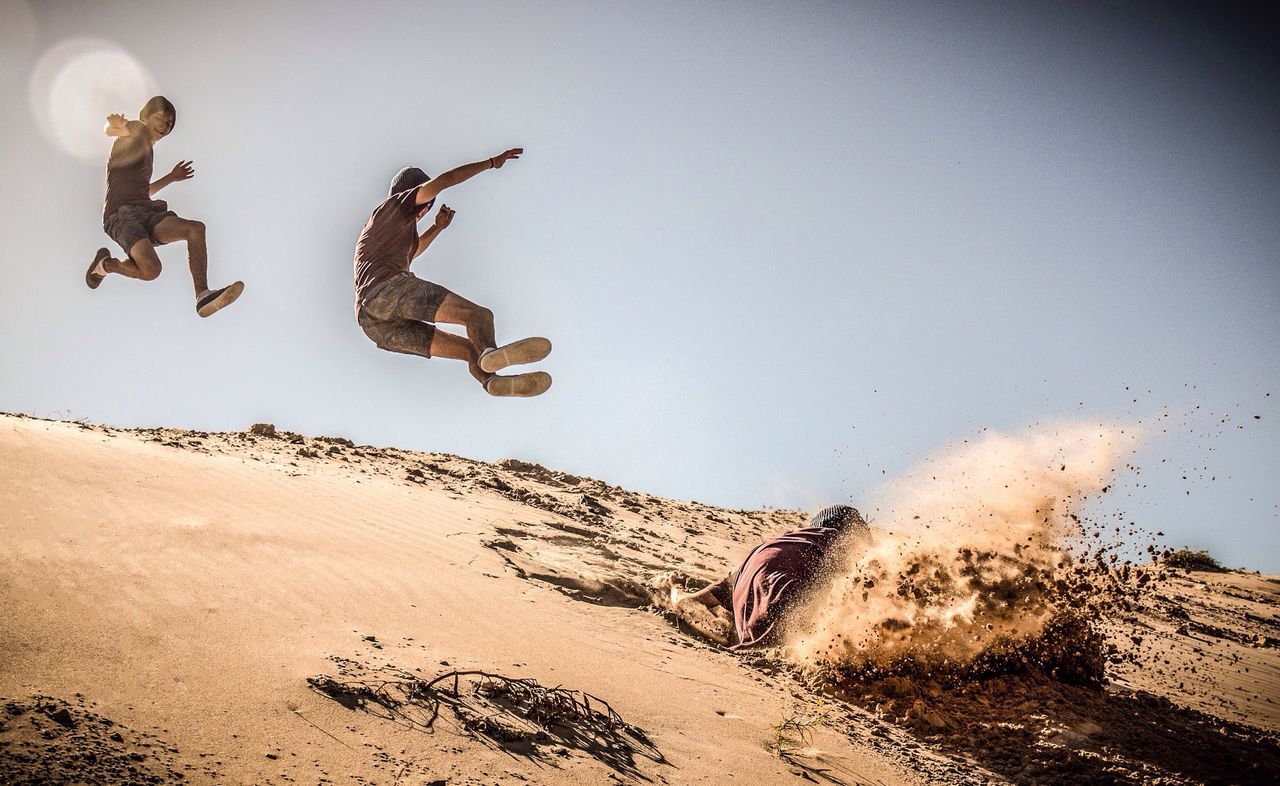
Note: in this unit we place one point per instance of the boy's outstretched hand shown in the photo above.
(116, 121)
(183, 170)
(502, 158)
(444, 217)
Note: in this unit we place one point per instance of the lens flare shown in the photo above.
(77, 84)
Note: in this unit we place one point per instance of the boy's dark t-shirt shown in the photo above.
(770, 579)
(129, 171)
(386, 244)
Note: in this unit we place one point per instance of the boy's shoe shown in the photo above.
(535, 383)
(215, 300)
(526, 350)
(91, 277)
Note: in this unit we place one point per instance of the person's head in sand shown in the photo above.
(159, 116)
(764, 586)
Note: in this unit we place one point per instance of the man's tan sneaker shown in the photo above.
(535, 383)
(217, 299)
(517, 353)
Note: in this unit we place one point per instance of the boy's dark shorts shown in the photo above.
(397, 315)
(131, 223)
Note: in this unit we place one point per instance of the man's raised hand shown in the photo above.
(183, 170)
(502, 158)
(444, 217)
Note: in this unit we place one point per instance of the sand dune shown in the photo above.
(187, 586)
(264, 608)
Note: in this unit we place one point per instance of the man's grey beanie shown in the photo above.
(839, 517)
(407, 178)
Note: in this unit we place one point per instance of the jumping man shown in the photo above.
(397, 309)
(139, 223)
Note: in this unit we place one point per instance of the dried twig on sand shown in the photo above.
(516, 714)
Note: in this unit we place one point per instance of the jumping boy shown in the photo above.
(397, 309)
(139, 223)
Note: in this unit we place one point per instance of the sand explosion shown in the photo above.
(970, 551)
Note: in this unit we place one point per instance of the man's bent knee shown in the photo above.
(143, 254)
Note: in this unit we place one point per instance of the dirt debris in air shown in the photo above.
(989, 618)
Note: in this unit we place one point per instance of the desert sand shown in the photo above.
(267, 608)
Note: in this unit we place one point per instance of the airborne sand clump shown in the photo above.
(970, 551)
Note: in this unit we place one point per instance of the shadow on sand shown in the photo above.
(1035, 730)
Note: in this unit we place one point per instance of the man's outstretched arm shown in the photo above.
(429, 190)
(708, 596)
(183, 170)
(704, 596)
(443, 218)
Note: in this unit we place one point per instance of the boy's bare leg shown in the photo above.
(172, 229)
(478, 320)
(448, 345)
(142, 263)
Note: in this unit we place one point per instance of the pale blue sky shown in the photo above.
(780, 249)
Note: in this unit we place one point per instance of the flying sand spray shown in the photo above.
(971, 549)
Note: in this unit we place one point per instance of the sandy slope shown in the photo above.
(188, 594)
(171, 592)
(1208, 642)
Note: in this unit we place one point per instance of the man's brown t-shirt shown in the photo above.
(129, 171)
(387, 243)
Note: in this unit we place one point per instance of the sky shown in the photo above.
(784, 251)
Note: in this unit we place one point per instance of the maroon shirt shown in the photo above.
(129, 170)
(387, 243)
(770, 579)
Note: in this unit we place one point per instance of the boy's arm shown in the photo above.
(118, 126)
(429, 190)
(183, 170)
(442, 220)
